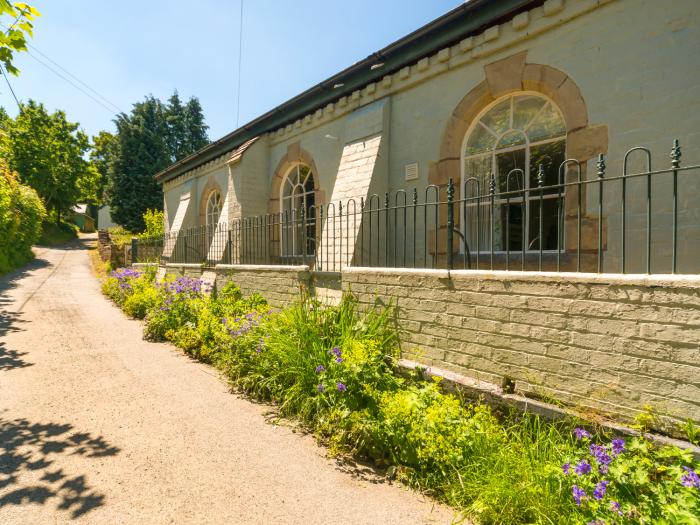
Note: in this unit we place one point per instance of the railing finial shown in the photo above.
(676, 155)
(450, 190)
(601, 166)
(540, 175)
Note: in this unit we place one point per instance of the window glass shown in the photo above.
(511, 140)
(298, 218)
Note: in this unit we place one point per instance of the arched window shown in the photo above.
(213, 210)
(298, 212)
(510, 139)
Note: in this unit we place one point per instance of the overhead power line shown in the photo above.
(19, 106)
(76, 82)
(76, 86)
(240, 58)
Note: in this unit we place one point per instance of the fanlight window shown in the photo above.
(298, 212)
(213, 208)
(510, 140)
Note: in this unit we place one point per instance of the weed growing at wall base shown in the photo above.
(333, 369)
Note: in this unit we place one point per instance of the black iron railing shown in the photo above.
(571, 217)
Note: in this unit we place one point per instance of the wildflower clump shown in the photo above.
(633, 481)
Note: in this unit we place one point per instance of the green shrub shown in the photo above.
(21, 216)
(133, 287)
(155, 224)
(181, 301)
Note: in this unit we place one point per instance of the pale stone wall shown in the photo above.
(598, 342)
(280, 285)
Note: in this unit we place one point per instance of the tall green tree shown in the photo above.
(196, 130)
(142, 150)
(48, 152)
(177, 127)
(148, 140)
(102, 155)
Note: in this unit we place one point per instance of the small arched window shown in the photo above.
(510, 139)
(298, 212)
(213, 210)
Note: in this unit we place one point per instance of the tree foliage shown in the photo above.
(14, 37)
(104, 147)
(48, 152)
(21, 215)
(148, 140)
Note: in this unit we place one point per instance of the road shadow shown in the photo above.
(11, 320)
(29, 450)
(84, 242)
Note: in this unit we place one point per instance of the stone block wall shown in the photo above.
(601, 343)
(280, 285)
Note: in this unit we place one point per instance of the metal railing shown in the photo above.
(549, 218)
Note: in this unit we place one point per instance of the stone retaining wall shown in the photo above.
(604, 343)
(280, 285)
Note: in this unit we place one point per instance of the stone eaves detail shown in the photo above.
(493, 39)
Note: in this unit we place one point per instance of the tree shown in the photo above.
(187, 131)
(196, 129)
(142, 150)
(177, 130)
(102, 155)
(148, 140)
(48, 153)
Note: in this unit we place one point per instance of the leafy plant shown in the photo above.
(21, 215)
(632, 481)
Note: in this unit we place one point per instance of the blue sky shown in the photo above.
(127, 49)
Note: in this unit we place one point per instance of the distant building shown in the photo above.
(104, 218)
(82, 219)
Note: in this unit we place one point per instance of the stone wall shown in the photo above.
(118, 256)
(280, 285)
(600, 343)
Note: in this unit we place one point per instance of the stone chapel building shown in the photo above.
(490, 87)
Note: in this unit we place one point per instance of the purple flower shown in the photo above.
(600, 454)
(566, 468)
(338, 360)
(600, 489)
(690, 478)
(581, 433)
(618, 446)
(320, 368)
(335, 351)
(579, 494)
(341, 387)
(615, 507)
(582, 468)
(596, 522)
(321, 388)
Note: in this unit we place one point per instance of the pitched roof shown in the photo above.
(467, 19)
